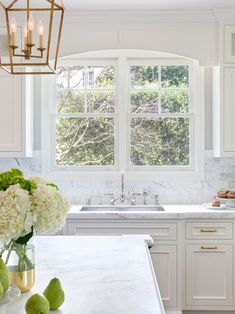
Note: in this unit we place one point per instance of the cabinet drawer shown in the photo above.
(158, 232)
(198, 230)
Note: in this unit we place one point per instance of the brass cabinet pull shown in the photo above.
(209, 247)
(208, 230)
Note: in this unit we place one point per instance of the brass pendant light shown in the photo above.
(35, 52)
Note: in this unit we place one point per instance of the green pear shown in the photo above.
(54, 294)
(37, 304)
(1, 290)
(4, 275)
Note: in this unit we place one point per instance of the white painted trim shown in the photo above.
(140, 17)
(225, 15)
(187, 173)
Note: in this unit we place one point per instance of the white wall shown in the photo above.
(189, 34)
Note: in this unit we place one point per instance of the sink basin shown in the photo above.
(122, 208)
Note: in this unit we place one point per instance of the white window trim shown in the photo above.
(188, 173)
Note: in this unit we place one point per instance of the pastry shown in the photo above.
(231, 194)
(222, 194)
(215, 203)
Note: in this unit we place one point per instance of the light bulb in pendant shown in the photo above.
(40, 33)
(30, 23)
(13, 26)
(25, 35)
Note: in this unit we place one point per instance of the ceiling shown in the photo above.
(101, 5)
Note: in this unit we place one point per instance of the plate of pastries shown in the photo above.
(224, 200)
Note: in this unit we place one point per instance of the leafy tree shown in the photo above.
(154, 141)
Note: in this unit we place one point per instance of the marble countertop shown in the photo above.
(178, 211)
(100, 275)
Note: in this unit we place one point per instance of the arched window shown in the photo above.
(140, 112)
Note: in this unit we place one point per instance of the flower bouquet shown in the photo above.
(27, 206)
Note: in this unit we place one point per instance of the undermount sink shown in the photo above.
(122, 208)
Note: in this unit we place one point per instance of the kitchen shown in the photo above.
(136, 129)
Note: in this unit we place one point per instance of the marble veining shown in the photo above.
(100, 275)
(219, 174)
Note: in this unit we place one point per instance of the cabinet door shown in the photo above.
(164, 263)
(229, 110)
(229, 43)
(209, 274)
(10, 113)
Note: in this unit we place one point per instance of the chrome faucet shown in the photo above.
(123, 196)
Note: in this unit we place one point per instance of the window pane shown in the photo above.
(70, 77)
(159, 142)
(144, 76)
(85, 141)
(144, 101)
(175, 76)
(101, 102)
(70, 101)
(174, 101)
(100, 77)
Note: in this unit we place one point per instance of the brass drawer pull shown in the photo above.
(208, 230)
(209, 247)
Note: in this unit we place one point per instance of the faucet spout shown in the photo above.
(122, 198)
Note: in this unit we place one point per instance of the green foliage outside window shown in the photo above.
(155, 141)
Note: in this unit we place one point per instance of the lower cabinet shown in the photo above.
(164, 258)
(209, 274)
(194, 257)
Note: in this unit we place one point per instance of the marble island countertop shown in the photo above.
(102, 275)
(178, 211)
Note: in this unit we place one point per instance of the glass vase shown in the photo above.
(20, 260)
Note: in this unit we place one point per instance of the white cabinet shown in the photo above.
(15, 115)
(164, 258)
(224, 112)
(229, 43)
(209, 274)
(223, 95)
(229, 110)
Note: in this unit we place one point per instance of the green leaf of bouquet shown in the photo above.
(16, 176)
(53, 185)
(25, 239)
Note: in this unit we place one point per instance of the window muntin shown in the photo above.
(159, 104)
(159, 119)
(85, 116)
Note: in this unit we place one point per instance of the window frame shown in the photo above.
(122, 151)
(114, 115)
(189, 115)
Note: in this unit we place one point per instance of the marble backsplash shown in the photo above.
(219, 174)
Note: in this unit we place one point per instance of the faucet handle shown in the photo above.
(145, 194)
(88, 201)
(156, 197)
(133, 198)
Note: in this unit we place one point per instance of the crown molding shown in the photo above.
(225, 16)
(140, 17)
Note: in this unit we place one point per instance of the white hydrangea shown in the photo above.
(50, 208)
(38, 180)
(16, 216)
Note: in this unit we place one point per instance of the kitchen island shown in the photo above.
(100, 275)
